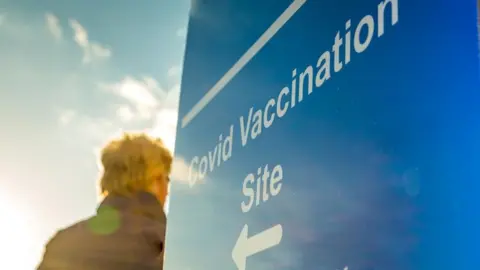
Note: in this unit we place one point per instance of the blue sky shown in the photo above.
(73, 74)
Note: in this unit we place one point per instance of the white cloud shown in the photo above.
(53, 25)
(91, 49)
(181, 172)
(100, 51)
(93, 131)
(97, 129)
(125, 113)
(151, 83)
(146, 100)
(172, 97)
(166, 115)
(66, 117)
(146, 96)
(81, 35)
(174, 71)
(141, 102)
(139, 93)
(165, 127)
(161, 110)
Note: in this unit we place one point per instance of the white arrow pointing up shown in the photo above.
(249, 246)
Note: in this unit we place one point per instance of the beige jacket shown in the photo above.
(126, 233)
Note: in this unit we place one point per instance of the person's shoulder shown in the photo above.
(63, 235)
(57, 246)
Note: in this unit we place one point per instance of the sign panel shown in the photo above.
(325, 135)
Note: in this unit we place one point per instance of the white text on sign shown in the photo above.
(200, 166)
(303, 84)
(259, 186)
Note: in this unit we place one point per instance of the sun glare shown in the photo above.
(16, 245)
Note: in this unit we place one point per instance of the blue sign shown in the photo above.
(329, 135)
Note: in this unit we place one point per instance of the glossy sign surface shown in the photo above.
(325, 135)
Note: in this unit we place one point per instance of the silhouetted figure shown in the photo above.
(128, 231)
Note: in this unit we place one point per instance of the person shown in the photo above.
(128, 229)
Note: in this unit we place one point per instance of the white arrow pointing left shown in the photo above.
(246, 247)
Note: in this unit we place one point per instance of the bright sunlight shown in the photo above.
(16, 245)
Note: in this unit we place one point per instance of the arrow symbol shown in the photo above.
(246, 247)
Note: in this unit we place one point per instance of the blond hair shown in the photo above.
(132, 164)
